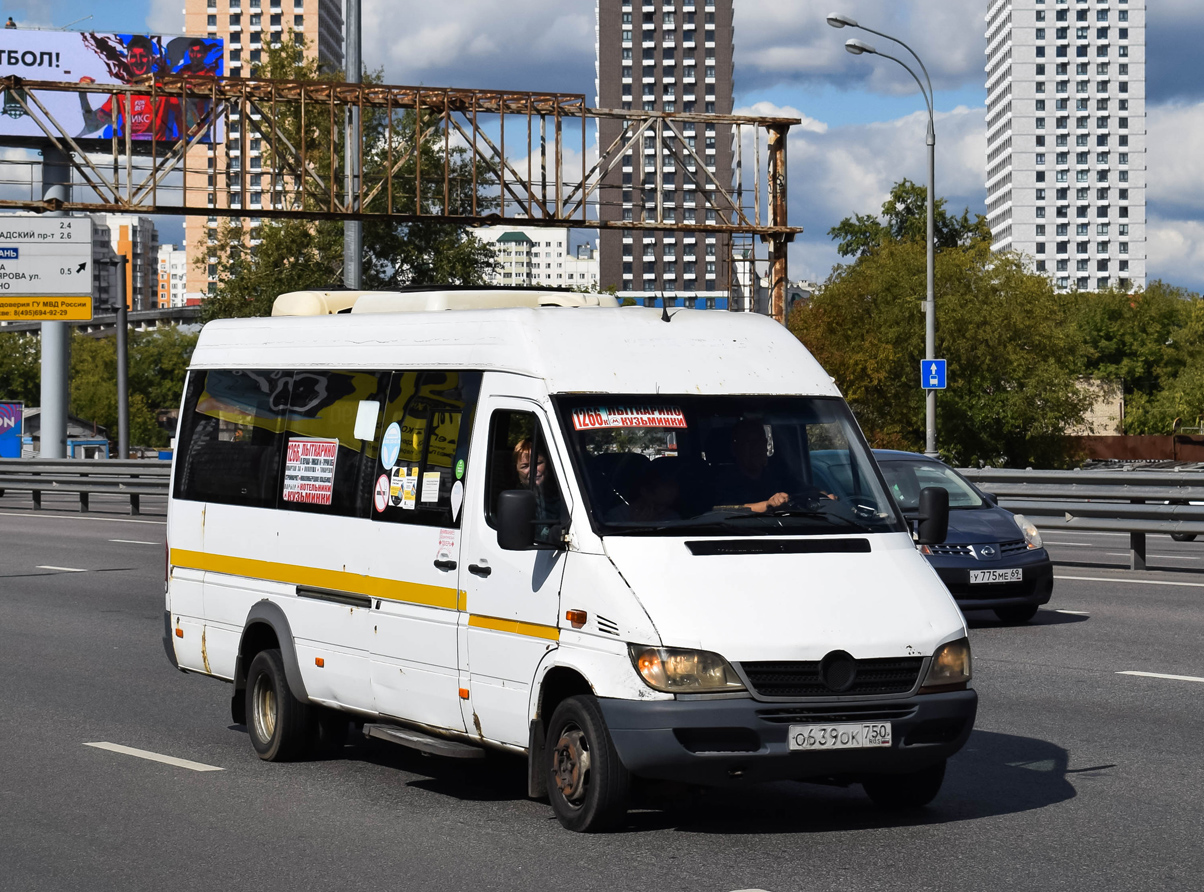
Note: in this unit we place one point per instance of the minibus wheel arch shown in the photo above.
(266, 627)
(558, 685)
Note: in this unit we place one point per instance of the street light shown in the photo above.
(860, 47)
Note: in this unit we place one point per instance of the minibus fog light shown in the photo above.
(678, 671)
(1032, 538)
(950, 669)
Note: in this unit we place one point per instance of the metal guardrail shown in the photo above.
(1135, 502)
(110, 477)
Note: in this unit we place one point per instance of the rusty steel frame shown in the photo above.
(300, 185)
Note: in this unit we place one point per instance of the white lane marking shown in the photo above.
(74, 517)
(134, 542)
(1073, 612)
(1131, 581)
(1161, 675)
(61, 569)
(1171, 557)
(1072, 544)
(153, 757)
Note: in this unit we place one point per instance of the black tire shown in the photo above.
(1016, 614)
(587, 784)
(280, 726)
(904, 791)
(1184, 537)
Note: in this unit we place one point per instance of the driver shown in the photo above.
(755, 485)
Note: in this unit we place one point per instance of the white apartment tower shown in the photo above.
(1066, 138)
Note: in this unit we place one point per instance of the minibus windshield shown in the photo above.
(724, 465)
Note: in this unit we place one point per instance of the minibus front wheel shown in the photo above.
(277, 722)
(587, 784)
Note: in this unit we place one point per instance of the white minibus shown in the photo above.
(607, 539)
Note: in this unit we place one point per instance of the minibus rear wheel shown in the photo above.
(902, 791)
(587, 784)
(280, 725)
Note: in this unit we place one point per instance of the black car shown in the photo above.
(992, 559)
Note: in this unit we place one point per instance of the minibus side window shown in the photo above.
(422, 465)
(519, 459)
(232, 436)
(327, 469)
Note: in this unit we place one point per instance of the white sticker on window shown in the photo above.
(309, 470)
(365, 419)
(430, 487)
(457, 498)
(409, 489)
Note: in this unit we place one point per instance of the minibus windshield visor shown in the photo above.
(724, 465)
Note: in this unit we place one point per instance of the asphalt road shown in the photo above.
(1076, 778)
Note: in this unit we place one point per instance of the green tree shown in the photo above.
(1008, 337)
(1153, 342)
(905, 218)
(157, 363)
(20, 368)
(296, 255)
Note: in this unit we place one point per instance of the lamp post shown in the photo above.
(857, 48)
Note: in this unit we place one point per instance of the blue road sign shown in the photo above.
(932, 374)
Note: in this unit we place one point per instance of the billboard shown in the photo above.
(104, 58)
(10, 429)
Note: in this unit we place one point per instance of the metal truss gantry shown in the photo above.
(502, 157)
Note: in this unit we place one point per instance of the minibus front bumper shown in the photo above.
(721, 741)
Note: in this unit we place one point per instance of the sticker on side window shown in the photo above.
(603, 417)
(309, 470)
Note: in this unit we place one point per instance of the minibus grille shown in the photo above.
(826, 714)
(891, 675)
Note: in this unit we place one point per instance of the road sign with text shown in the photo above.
(45, 268)
(932, 374)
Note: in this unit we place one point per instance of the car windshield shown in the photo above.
(724, 465)
(907, 478)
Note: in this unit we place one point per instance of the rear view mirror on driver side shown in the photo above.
(933, 515)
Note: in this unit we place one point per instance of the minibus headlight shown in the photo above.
(1032, 538)
(950, 668)
(678, 671)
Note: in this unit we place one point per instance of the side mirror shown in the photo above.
(933, 515)
(992, 498)
(516, 520)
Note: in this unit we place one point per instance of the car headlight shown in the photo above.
(1032, 538)
(950, 667)
(678, 671)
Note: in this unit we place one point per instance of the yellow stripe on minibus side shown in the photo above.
(338, 580)
(514, 627)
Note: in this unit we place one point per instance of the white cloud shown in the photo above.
(790, 40)
(1176, 165)
(533, 44)
(165, 17)
(1176, 251)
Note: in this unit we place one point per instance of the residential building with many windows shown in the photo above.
(673, 56)
(173, 276)
(248, 28)
(539, 256)
(136, 239)
(1066, 138)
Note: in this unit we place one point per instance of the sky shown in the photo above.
(863, 127)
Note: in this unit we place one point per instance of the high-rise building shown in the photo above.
(672, 56)
(137, 240)
(248, 27)
(539, 256)
(1066, 138)
(173, 276)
